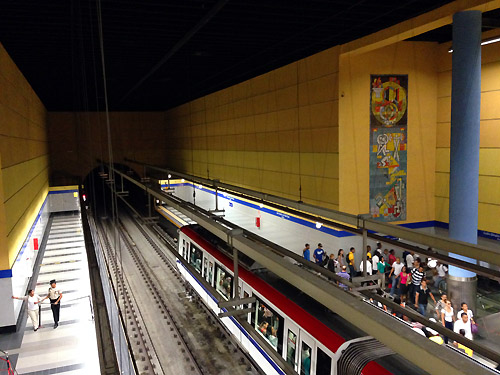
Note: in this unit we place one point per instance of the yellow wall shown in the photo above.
(24, 158)
(273, 133)
(417, 59)
(78, 139)
(489, 154)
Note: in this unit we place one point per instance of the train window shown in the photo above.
(305, 358)
(195, 259)
(223, 282)
(290, 350)
(205, 268)
(323, 363)
(269, 324)
(183, 248)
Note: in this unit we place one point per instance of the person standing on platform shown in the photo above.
(465, 309)
(54, 296)
(318, 255)
(463, 323)
(332, 263)
(340, 259)
(409, 261)
(397, 266)
(350, 259)
(392, 257)
(33, 300)
(344, 275)
(381, 270)
(307, 252)
(422, 296)
(447, 317)
(417, 274)
(375, 260)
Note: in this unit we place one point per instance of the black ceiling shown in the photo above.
(205, 45)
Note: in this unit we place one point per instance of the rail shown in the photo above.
(419, 350)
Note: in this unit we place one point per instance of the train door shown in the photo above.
(208, 269)
(292, 341)
(306, 354)
(245, 293)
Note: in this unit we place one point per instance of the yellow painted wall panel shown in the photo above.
(319, 90)
(488, 217)
(442, 209)
(319, 64)
(490, 105)
(444, 84)
(443, 134)
(489, 162)
(285, 76)
(490, 133)
(489, 186)
(442, 184)
(443, 160)
(490, 76)
(18, 175)
(444, 112)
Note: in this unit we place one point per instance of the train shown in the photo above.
(308, 338)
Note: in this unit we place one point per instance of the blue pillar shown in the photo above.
(464, 152)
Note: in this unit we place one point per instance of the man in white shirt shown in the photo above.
(397, 266)
(368, 266)
(33, 300)
(375, 260)
(409, 261)
(441, 273)
(463, 323)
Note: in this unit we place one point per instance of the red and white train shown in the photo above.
(306, 337)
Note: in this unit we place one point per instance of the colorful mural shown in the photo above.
(388, 144)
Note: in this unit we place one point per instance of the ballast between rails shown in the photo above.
(421, 351)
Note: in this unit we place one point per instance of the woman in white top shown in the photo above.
(33, 300)
(447, 317)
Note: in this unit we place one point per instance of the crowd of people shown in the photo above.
(406, 280)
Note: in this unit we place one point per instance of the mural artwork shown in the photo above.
(388, 144)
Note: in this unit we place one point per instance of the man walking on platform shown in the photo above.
(55, 296)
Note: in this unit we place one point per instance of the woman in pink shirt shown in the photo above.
(404, 280)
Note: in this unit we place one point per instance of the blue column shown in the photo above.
(464, 152)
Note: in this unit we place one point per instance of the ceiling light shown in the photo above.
(483, 42)
(169, 175)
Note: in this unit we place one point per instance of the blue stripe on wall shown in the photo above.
(330, 231)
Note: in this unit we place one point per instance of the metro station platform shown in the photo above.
(70, 348)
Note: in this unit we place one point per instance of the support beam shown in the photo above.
(408, 29)
(347, 221)
(417, 349)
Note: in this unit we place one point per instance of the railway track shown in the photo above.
(144, 356)
(174, 335)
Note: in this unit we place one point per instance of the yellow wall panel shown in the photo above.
(489, 186)
(442, 209)
(490, 133)
(444, 112)
(442, 184)
(285, 76)
(319, 90)
(490, 108)
(488, 217)
(443, 160)
(489, 161)
(443, 134)
(319, 65)
(444, 84)
(490, 76)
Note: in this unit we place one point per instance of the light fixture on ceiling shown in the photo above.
(483, 42)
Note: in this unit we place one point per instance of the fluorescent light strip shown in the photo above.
(483, 43)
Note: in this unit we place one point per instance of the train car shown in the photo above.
(303, 340)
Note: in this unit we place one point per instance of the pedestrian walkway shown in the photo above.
(71, 348)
